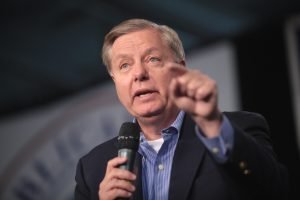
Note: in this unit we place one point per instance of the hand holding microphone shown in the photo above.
(119, 176)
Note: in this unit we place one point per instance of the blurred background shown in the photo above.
(57, 102)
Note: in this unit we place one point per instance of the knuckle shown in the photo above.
(110, 163)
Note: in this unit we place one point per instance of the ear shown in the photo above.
(112, 77)
(182, 62)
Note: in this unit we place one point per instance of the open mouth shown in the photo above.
(143, 93)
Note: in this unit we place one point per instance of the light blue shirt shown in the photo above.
(219, 146)
(156, 166)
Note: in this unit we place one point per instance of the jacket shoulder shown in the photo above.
(105, 151)
(247, 119)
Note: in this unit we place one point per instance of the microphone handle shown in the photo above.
(130, 155)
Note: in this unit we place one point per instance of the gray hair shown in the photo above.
(128, 26)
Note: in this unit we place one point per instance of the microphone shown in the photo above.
(128, 143)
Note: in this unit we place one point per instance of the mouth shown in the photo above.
(143, 93)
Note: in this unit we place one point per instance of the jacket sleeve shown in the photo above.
(253, 159)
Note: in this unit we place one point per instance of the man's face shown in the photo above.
(139, 68)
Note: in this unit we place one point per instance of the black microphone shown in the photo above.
(128, 143)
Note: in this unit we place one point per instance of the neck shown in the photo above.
(152, 126)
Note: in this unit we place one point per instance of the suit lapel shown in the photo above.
(187, 158)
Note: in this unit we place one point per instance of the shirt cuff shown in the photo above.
(221, 145)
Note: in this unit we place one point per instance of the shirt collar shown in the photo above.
(176, 125)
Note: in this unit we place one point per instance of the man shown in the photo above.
(188, 149)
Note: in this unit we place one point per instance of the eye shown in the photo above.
(124, 66)
(154, 59)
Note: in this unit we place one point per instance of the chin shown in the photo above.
(150, 113)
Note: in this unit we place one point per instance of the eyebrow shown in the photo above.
(148, 51)
(120, 56)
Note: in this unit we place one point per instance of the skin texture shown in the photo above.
(153, 85)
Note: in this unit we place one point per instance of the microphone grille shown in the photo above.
(129, 136)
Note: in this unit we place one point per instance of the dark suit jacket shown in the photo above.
(251, 172)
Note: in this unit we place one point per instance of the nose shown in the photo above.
(140, 72)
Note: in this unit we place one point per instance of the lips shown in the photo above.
(142, 92)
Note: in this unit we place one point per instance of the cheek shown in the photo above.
(123, 92)
(163, 80)
(163, 86)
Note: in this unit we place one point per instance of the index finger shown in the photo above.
(115, 162)
(177, 69)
